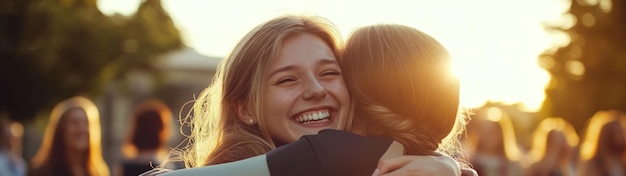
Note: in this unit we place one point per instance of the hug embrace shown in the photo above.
(293, 99)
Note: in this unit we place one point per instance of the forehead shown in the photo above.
(302, 48)
(76, 114)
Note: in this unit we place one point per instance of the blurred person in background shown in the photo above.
(554, 141)
(495, 149)
(146, 144)
(602, 151)
(11, 161)
(71, 143)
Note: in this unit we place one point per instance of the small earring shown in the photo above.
(251, 120)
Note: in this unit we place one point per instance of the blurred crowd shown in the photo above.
(556, 148)
(71, 144)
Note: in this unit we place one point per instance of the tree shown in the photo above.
(589, 72)
(55, 49)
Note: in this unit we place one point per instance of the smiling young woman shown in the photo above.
(306, 92)
(268, 91)
(283, 82)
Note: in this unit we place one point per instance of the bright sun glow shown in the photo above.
(494, 44)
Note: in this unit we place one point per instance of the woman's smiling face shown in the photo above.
(76, 132)
(305, 91)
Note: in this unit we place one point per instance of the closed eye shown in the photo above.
(331, 73)
(285, 80)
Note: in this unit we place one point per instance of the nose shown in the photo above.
(83, 127)
(315, 90)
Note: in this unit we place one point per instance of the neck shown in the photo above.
(77, 163)
(551, 159)
(613, 163)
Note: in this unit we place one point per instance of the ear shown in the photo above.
(244, 114)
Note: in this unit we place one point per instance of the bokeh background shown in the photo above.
(529, 59)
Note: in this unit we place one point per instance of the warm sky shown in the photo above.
(494, 43)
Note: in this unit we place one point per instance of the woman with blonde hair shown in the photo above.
(248, 111)
(71, 142)
(403, 87)
(552, 149)
(603, 150)
(495, 150)
(283, 81)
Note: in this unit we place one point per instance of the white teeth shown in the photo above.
(317, 116)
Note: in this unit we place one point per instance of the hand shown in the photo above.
(395, 150)
(155, 172)
(418, 165)
(468, 172)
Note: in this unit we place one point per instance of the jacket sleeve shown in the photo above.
(331, 152)
(252, 166)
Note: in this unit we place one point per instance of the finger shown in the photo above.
(393, 173)
(154, 172)
(391, 164)
(469, 172)
(426, 165)
(409, 171)
(404, 172)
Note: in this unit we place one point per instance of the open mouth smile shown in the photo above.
(318, 117)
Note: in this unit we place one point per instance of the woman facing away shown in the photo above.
(400, 80)
(603, 151)
(71, 142)
(284, 80)
(403, 88)
(146, 144)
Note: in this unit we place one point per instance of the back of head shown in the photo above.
(150, 127)
(219, 135)
(400, 78)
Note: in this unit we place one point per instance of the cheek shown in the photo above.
(276, 102)
(339, 90)
(68, 134)
(69, 130)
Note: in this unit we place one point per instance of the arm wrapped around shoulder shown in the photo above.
(331, 152)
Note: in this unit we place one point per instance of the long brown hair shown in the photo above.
(218, 135)
(597, 136)
(150, 128)
(51, 157)
(402, 85)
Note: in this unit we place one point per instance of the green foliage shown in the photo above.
(589, 73)
(57, 49)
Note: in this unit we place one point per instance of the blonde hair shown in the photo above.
(508, 147)
(50, 150)
(541, 133)
(149, 129)
(594, 131)
(402, 86)
(218, 135)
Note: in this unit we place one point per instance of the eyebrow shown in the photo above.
(324, 61)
